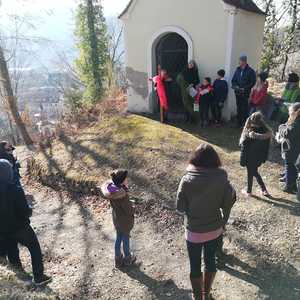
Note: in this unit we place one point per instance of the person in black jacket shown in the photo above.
(191, 74)
(290, 145)
(6, 152)
(220, 94)
(15, 224)
(255, 143)
(243, 81)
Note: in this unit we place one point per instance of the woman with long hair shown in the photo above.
(205, 197)
(191, 74)
(259, 93)
(255, 144)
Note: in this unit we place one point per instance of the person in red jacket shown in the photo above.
(259, 93)
(161, 91)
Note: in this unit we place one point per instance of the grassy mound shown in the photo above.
(155, 154)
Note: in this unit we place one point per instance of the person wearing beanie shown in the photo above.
(220, 94)
(15, 224)
(242, 82)
(6, 152)
(259, 93)
(116, 191)
(291, 92)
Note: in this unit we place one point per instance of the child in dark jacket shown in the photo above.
(116, 191)
(255, 143)
(220, 93)
(204, 99)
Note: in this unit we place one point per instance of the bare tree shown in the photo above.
(116, 53)
(8, 95)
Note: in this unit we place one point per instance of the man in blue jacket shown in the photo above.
(242, 82)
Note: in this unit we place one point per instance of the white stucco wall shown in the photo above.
(206, 22)
(248, 37)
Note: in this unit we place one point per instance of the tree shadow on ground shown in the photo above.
(136, 177)
(86, 276)
(292, 207)
(275, 280)
(162, 289)
(226, 137)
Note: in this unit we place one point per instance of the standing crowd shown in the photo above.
(205, 196)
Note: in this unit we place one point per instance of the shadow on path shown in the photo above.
(163, 290)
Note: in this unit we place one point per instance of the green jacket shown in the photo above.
(291, 95)
(188, 101)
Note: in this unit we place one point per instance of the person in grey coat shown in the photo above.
(205, 197)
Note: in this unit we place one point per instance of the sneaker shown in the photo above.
(245, 193)
(119, 261)
(266, 194)
(130, 260)
(43, 280)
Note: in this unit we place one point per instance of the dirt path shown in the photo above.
(78, 249)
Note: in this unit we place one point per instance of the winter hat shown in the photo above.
(119, 176)
(293, 77)
(6, 172)
(263, 76)
(244, 58)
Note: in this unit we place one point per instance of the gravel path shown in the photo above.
(78, 247)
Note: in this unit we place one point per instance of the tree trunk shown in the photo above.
(11, 128)
(286, 59)
(5, 85)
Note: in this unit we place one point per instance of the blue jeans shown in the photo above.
(125, 240)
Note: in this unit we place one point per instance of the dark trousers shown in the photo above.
(27, 238)
(291, 174)
(195, 256)
(253, 172)
(9, 249)
(242, 109)
(216, 111)
(204, 111)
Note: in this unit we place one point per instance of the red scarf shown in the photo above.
(200, 89)
(161, 91)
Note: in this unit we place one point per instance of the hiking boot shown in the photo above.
(197, 286)
(119, 261)
(42, 280)
(209, 278)
(130, 260)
